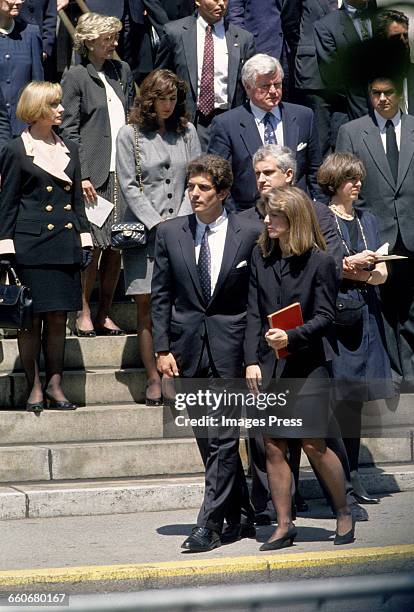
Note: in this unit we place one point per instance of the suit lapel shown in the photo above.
(290, 128)
(233, 48)
(406, 149)
(348, 28)
(187, 245)
(372, 140)
(231, 248)
(249, 132)
(189, 38)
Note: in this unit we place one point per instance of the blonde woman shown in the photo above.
(45, 233)
(290, 265)
(97, 95)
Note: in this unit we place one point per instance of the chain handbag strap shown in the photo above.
(342, 236)
(137, 171)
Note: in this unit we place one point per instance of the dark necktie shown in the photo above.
(204, 266)
(206, 93)
(269, 133)
(392, 149)
(363, 17)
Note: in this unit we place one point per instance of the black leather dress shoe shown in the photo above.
(202, 540)
(234, 533)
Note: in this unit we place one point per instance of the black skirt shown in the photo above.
(53, 287)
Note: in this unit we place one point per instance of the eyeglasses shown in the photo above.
(387, 92)
(110, 38)
(268, 86)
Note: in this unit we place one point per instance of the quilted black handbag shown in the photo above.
(129, 234)
(16, 304)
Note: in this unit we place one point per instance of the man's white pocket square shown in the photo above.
(301, 145)
(242, 264)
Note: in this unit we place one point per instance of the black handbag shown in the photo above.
(348, 312)
(16, 304)
(129, 234)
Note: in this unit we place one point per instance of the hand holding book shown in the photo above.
(284, 319)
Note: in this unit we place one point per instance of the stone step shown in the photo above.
(86, 424)
(97, 497)
(131, 458)
(93, 386)
(115, 459)
(123, 314)
(81, 353)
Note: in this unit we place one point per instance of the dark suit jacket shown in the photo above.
(410, 87)
(392, 204)
(309, 279)
(86, 118)
(180, 316)
(178, 52)
(234, 136)
(26, 190)
(273, 23)
(21, 62)
(340, 55)
(161, 12)
(116, 8)
(5, 129)
(306, 65)
(44, 14)
(327, 224)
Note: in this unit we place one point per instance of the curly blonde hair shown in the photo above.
(91, 26)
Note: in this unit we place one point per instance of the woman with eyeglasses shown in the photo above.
(97, 95)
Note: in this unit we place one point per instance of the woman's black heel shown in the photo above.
(283, 542)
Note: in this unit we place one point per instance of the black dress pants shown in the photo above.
(226, 495)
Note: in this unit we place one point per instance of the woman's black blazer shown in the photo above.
(86, 117)
(42, 214)
(309, 279)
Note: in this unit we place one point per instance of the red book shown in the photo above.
(286, 318)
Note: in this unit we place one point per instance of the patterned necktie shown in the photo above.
(204, 266)
(364, 21)
(392, 149)
(269, 133)
(206, 93)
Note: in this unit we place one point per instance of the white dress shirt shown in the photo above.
(381, 124)
(351, 11)
(116, 113)
(216, 239)
(221, 60)
(259, 116)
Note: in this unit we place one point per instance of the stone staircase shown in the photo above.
(116, 455)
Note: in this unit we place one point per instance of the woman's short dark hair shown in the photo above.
(160, 83)
(338, 168)
(215, 166)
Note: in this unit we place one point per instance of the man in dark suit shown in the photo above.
(328, 106)
(340, 39)
(265, 119)
(275, 27)
(199, 297)
(208, 53)
(384, 141)
(161, 12)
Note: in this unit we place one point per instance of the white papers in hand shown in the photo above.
(99, 211)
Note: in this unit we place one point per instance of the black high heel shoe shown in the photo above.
(283, 542)
(346, 538)
(36, 407)
(54, 404)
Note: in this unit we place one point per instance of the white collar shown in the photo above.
(214, 225)
(381, 121)
(219, 25)
(8, 30)
(259, 113)
(352, 9)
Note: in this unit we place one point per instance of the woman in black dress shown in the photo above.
(289, 265)
(45, 233)
(361, 368)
